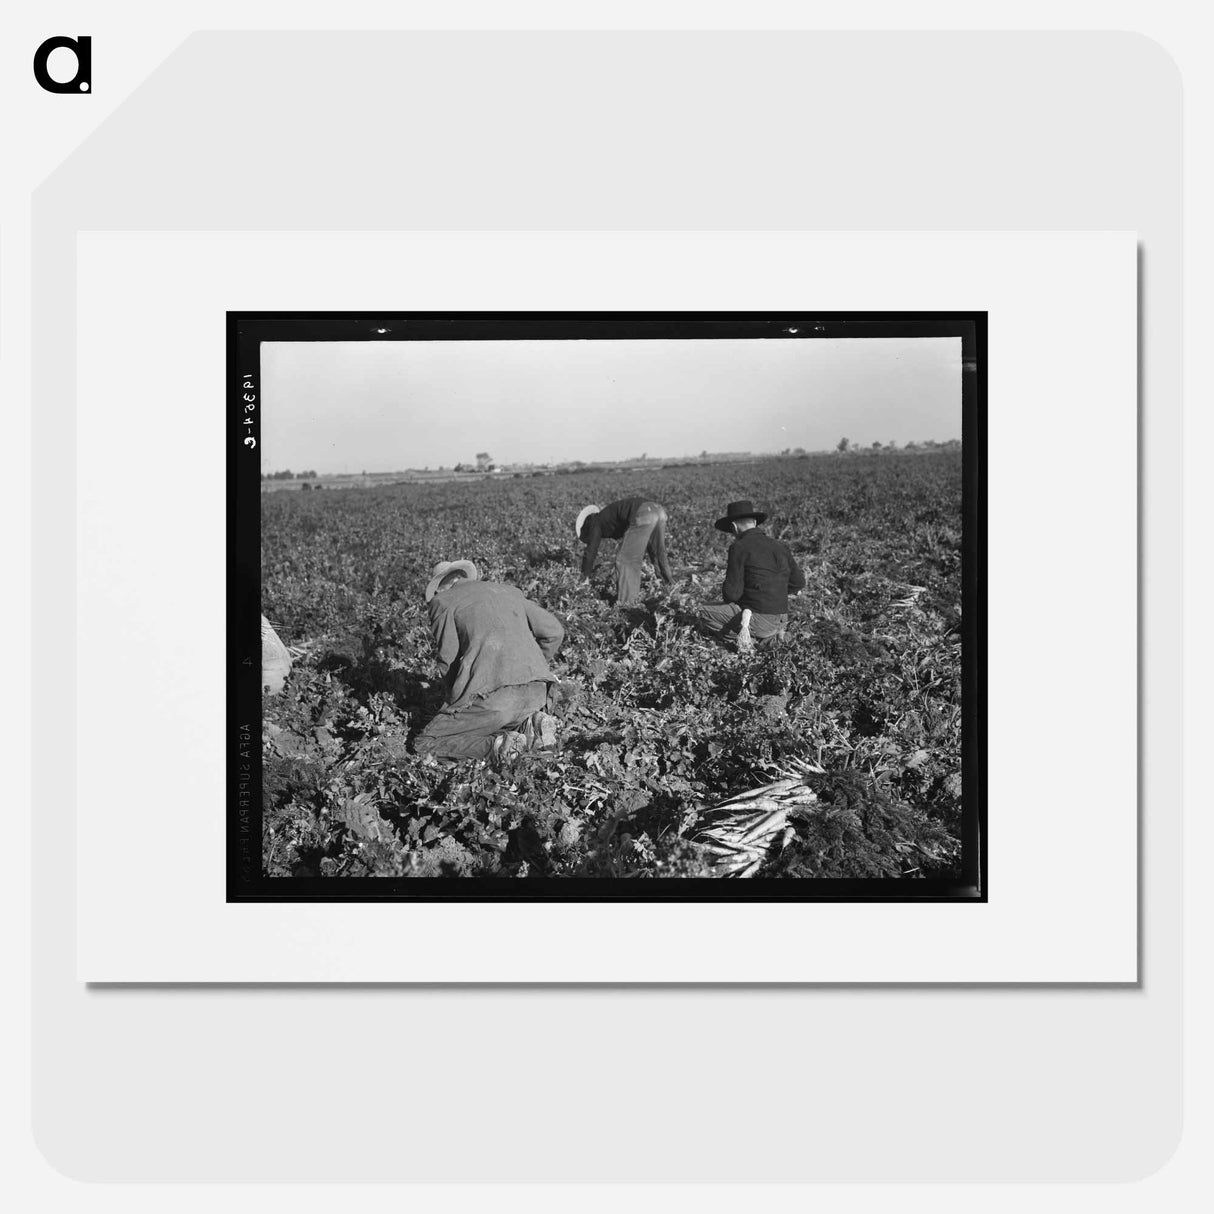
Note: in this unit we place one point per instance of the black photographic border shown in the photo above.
(242, 432)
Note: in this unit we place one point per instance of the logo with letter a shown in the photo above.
(82, 81)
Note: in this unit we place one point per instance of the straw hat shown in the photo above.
(587, 511)
(443, 568)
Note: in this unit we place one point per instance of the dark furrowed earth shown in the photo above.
(661, 721)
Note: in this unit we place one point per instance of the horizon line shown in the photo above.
(793, 452)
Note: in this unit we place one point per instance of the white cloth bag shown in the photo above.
(275, 660)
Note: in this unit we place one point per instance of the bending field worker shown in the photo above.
(493, 649)
(640, 526)
(760, 574)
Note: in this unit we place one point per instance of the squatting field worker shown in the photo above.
(640, 526)
(760, 574)
(493, 649)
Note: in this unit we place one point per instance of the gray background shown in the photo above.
(679, 131)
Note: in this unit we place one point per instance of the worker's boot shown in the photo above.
(506, 746)
(540, 730)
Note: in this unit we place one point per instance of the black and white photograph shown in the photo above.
(596, 606)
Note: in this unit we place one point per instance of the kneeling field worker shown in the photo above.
(493, 648)
(760, 574)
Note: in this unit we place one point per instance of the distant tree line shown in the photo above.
(846, 447)
(484, 461)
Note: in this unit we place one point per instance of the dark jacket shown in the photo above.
(761, 573)
(490, 635)
(612, 523)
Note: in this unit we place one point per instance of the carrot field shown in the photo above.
(659, 720)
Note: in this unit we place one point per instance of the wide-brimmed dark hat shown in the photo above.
(737, 510)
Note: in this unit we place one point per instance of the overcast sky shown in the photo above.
(386, 406)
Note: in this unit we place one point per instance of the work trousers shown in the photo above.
(648, 530)
(727, 617)
(467, 732)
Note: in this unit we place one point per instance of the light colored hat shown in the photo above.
(587, 511)
(443, 568)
